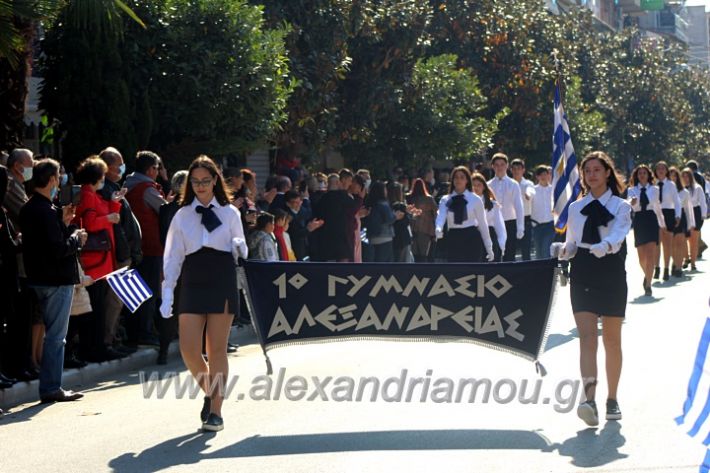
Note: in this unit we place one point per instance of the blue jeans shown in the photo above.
(55, 303)
(543, 236)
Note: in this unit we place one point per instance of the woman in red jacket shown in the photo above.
(97, 216)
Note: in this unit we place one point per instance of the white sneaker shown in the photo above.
(588, 413)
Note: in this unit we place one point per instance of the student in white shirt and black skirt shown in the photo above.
(670, 206)
(596, 247)
(204, 241)
(494, 217)
(467, 238)
(647, 220)
(700, 213)
(687, 223)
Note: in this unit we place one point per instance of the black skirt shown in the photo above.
(208, 280)
(669, 217)
(598, 285)
(698, 218)
(645, 228)
(464, 245)
(682, 227)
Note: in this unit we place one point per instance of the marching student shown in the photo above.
(496, 225)
(670, 206)
(647, 220)
(527, 191)
(686, 224)
(508, 193)
(204, 240)
(700, 212)
(463, 213)
(596, 247)
(541, 217)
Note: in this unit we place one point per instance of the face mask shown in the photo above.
(53, 193)
(27, 174)
(367, 184)
(65, 179)
(121, 170)
(101, 185)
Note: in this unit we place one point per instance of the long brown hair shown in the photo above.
(676, 180)
(661, 163)
(635, 175)
(614, 182)
(691, 178)
(466, 172)
(220, 190)
(418, 189)
(488, 195)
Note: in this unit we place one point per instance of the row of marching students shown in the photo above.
(669, 208)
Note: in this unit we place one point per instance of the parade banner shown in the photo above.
(503, 306)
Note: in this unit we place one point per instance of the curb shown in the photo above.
(28, 392)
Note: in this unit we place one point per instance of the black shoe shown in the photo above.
(7, 379)
(588, 413)
(151, 341)
(125, 349)
(27, 375)
(214, 423)
(648, 292)
(612, 410)
(162, 359)
(205, 412)
(677, 273)
(232, 348)
(665, 274)
(111, 354)
(657, 273)
(61, 396)
(693, 267)
(73, 362)
(686, 263)
(6, 384)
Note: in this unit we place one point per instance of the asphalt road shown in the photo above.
(115, 428)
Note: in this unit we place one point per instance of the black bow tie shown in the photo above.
(643, 199)
(210, 220)
(597, 216)
(457, 205)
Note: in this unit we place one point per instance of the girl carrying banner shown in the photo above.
(204, 241)
(596, 247)
(465, 217)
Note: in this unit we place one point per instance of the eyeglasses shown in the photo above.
(202, 183)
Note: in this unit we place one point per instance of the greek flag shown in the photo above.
(565, 177)
(696, 408)
(129, 287)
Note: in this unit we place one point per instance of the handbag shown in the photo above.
(98, 241)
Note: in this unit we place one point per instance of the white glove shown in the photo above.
(439, 234)
(567, 252)
(489, 254)
(239, 248)
(599, 249)
(520, 235)
(166, 308)
(556, 249)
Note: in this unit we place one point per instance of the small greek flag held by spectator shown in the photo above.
(695, 418)
(129, 287)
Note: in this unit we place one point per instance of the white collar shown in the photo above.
(196, 203)
(603, 199)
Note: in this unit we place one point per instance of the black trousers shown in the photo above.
(17, 337)
(91, 335)
(525, 243)
(511, 242)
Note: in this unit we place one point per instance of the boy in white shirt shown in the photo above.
(507, 193)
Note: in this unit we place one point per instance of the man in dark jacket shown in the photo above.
(127, 235)
(302, 223)
(50, 257)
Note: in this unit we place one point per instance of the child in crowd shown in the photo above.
(262, 243)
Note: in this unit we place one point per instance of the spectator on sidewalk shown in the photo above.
(146, 197)
(50, 259)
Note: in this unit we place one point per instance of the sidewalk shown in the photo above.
(79, 378)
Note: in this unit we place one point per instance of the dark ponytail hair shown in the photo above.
(220, 189)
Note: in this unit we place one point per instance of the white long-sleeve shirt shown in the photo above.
(527, 191)
(686, 204)
(614, 233)
(187, 235)
(653, 203)
(542, 204)
(495, 220)
(475, 216)
(669, 198)
(507, 192)
(698, 200)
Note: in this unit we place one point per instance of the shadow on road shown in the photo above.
(587, 449)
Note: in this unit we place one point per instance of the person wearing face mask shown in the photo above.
(50, 257)
(98, 216)
(19, 165)
(127, 235)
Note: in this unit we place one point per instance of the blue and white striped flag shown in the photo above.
(129, 287)
(695, 418)
(565, 177)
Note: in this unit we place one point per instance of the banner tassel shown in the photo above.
(269, 369)
(540, 369)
